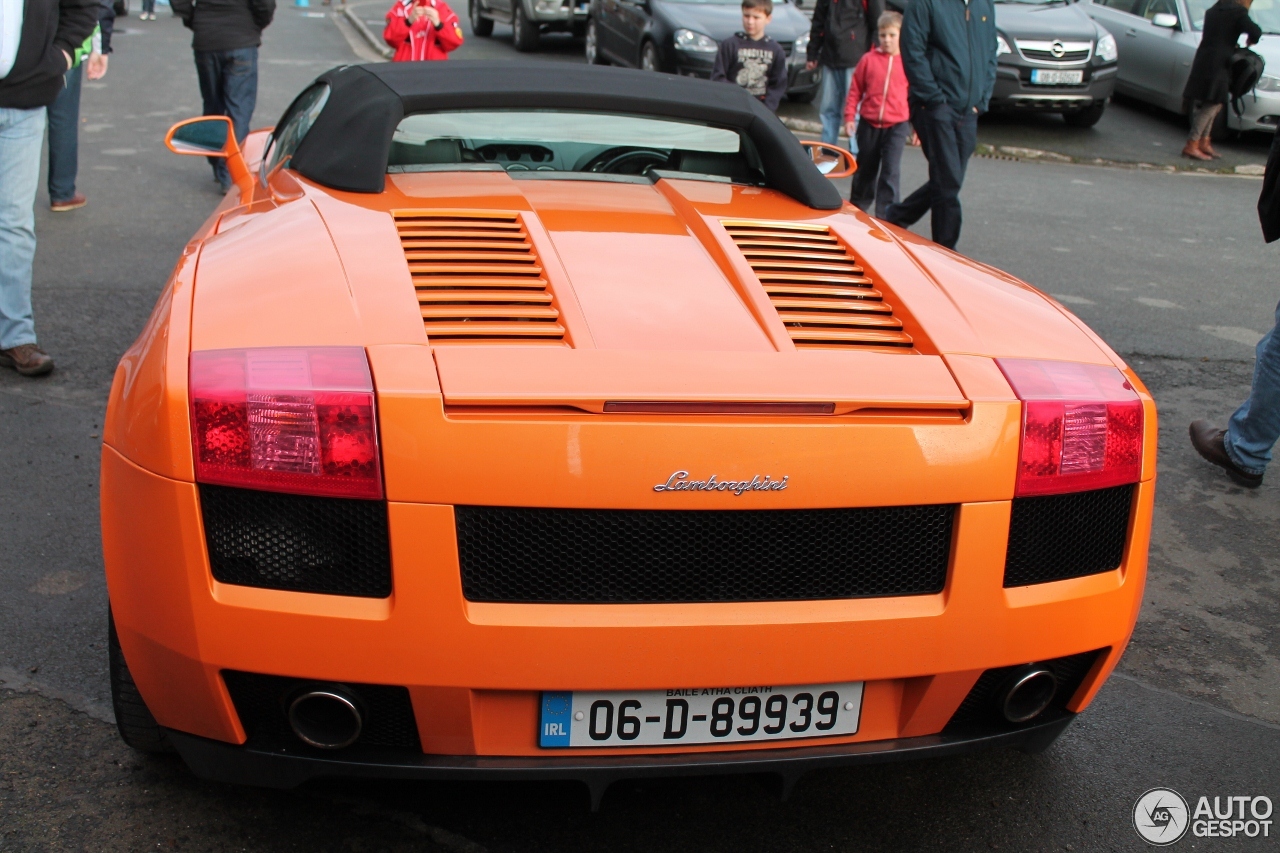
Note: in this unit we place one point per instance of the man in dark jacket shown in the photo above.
(37, 41)
(842, 31)
(227, 36)
(949, 54)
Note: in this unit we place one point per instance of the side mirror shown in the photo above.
(1165, 20)
(212, 136)
(831, 160)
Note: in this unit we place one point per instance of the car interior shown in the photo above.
(638, 149)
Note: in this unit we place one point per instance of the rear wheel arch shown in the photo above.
(138, 728)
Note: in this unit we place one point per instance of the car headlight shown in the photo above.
(1107, 51)
(1002, 46)
(691, 42)
(800, 51)
(1267, 83)
(544, 7)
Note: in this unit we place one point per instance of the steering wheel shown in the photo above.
(626, 161)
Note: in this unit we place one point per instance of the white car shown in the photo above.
(1158, 40)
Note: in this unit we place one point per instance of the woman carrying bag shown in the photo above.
(1209, 85)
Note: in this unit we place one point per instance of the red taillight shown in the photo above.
(298, 420)
(1081, 426)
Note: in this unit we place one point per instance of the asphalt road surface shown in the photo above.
(1169, 268)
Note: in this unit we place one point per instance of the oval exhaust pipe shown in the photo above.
(1029, 692)
(325, 718)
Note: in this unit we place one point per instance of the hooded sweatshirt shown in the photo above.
(49, 27)
(421, 39)
(880, 85)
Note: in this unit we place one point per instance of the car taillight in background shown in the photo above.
(1081, 426)
(299, 420)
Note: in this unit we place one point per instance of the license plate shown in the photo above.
(1042, 77)
(698, 715)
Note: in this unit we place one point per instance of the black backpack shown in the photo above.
(1246, 70)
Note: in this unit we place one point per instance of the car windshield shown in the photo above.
(1265, 13)
(567, 144)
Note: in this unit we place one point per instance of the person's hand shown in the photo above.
(415, 14)
(810, 65)
(432, 15)
(850, 129)
(914, 141)
(95, 67)
(67, 57)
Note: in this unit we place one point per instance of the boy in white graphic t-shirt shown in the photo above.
(751, 59)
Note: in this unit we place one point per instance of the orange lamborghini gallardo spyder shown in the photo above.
(554, 421)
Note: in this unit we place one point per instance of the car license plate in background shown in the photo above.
(696, 715)
(1041, 77)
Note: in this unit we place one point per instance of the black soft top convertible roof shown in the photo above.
(348, 146)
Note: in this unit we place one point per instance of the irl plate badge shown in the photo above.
(556, 711)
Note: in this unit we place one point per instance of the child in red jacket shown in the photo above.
(421, 29)
(879, 90)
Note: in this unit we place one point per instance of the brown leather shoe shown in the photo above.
(1192, 150)
(1207, 148)
(1207, 440)
(72, 203)
(27, 359)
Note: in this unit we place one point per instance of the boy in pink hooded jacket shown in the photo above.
(878, 92)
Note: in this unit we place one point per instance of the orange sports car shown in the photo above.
(550, 421)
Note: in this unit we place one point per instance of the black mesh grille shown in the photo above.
(980, 709)
(297, 542)
(1067, 536)
(618, 556)
(262, 703)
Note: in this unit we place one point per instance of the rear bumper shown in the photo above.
(474, 671)
(223, 762)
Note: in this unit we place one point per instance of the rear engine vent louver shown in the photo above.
(819, 289)
(478, 277)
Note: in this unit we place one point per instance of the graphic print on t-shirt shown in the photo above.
(754, 73)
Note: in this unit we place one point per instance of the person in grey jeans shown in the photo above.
(37, 41)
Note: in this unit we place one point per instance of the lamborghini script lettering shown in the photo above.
(679, 482)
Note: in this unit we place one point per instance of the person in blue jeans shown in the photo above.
(39, 39)
(948, 52)
(842, 31)
(227, 34)
(64, 117)
(1243, 449)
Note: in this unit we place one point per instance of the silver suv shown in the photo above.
(528, 18)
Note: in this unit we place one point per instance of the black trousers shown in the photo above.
(948, 139)
(879, 165)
